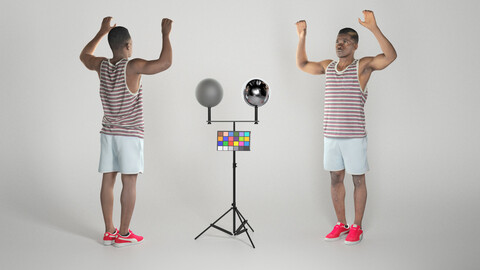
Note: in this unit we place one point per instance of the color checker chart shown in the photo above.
(233, 140)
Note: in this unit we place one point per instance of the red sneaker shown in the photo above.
(130, 239)
(109, 238)
(354, 236)
(339, 230)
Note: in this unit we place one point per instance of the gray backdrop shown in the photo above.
(422, 209)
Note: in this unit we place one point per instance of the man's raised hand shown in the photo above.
(301, 28)
(166, 26)
(369, 22)
(105, 28)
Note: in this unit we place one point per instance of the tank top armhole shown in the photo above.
(365, 89)
(331, 65)
(100, 72)
(125, 76)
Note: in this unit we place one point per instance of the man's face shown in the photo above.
(345, 45)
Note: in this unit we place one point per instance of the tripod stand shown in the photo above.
(236, 213)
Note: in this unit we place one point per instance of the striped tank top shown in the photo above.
(344, 115)
(123, 111)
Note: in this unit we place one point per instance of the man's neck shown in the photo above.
(344, 62)
(117, 57)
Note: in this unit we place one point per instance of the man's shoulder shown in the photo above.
(326, 63)
(364, 62)
(134, 64)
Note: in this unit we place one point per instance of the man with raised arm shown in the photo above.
(345, 137)
(122, 130)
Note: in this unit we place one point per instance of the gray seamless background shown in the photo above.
(422, 209)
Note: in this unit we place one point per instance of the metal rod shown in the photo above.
(213, 223)
(240, 216)
(238, 232)
(221, 229)
(209, 120)
(230, 121)
(249, 238)
(241, 227)
(234, 204)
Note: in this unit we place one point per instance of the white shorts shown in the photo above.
(121, 154)
(346, 154)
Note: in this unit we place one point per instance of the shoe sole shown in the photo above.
(337, 238)
(108, 242)
(354, 242)
(126, 244)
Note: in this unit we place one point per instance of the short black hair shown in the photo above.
(118, 37)
(351, 32)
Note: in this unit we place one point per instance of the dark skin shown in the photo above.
(345, 48)
(135, 68)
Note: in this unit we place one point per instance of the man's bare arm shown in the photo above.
(86, 56)
(389, 54)
(303, 64)
(164, 61)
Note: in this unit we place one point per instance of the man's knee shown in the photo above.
(337, 177)
(359, 180)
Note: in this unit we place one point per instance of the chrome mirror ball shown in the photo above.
(256, 93)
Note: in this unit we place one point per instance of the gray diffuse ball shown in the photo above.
(256, 92)
(209, 92)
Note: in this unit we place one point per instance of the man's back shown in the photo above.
(121, 141)
(123, 111)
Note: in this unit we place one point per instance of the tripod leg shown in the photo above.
(242, 226)
(251, 242)
(240, 216)
(241, 229)
(213, 224)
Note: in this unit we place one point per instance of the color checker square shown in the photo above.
(233, 140)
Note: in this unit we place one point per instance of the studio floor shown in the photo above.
(60, 239)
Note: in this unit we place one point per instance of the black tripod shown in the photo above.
(236, 213)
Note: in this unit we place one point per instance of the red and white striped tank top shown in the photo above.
(344, 115)
(123, 111)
